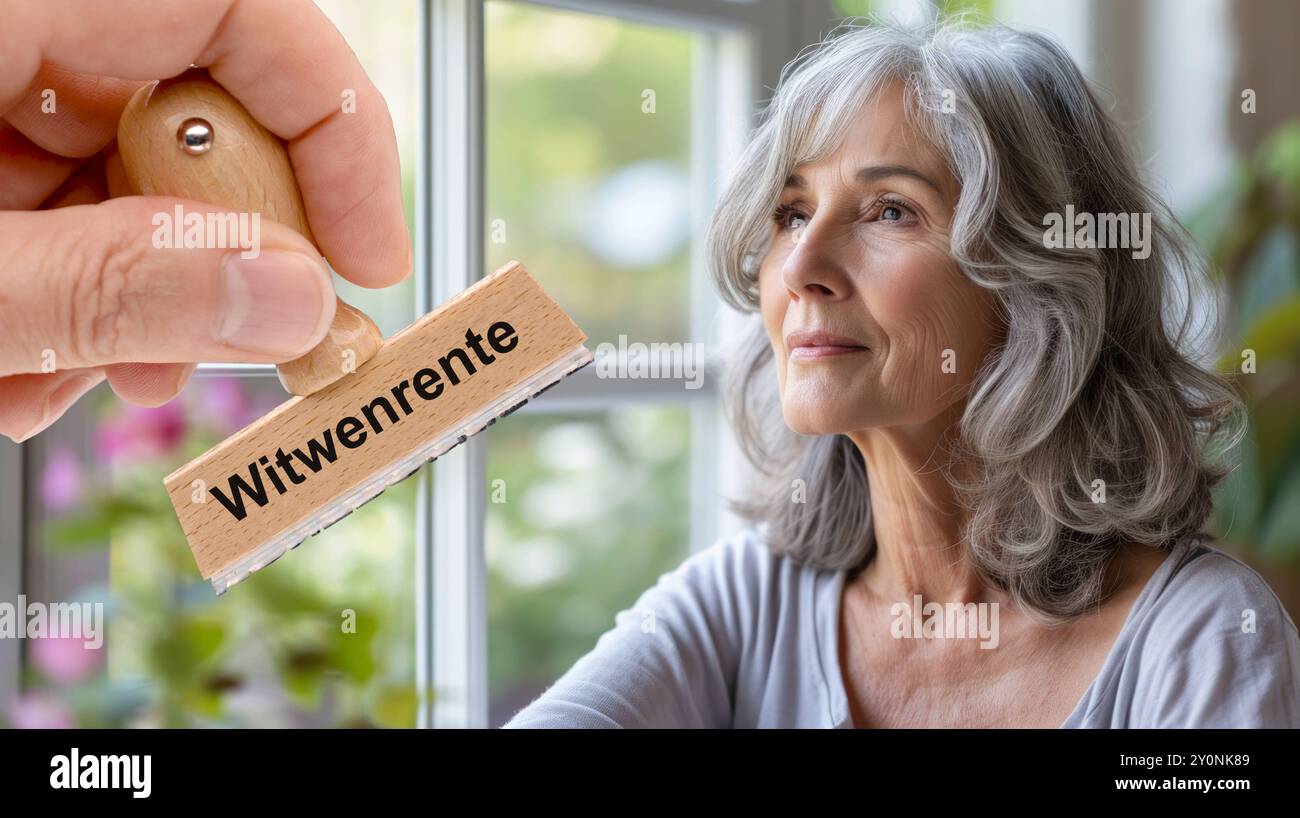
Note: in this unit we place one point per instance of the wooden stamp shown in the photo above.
(348, 435)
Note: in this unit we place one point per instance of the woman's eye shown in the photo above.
(789, 219)
(888, 211)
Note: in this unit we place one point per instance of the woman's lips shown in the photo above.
(808, 346)
(805, 353)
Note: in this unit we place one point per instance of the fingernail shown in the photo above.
(58, 401)
(276, 303)
(183, 377)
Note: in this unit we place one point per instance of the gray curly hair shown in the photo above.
(1104, 372)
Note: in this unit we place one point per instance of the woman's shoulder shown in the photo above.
(682, 655)
(1215, 646)
(741, 574)
(746, 554)
(1215, 594)
(741, 599)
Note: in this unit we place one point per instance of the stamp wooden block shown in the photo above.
(314, 459)
(352, 434)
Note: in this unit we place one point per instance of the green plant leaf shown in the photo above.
(92, 527)
(396, 706)
(1275, 335)
(1271, 278)
(1279, 155)
(353, 653)
(86, 531)
(179, 654)
(1280, 533)
(1237, 502)
(305, 688)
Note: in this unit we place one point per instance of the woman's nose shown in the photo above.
(815, 266)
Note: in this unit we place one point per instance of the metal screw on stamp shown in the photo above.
(195, 136)
(227, 158)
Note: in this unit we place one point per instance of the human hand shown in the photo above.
(82, 287)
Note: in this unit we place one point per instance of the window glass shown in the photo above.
(588, 184)
(585, 511)
(587, 159)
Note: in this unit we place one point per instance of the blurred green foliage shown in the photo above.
(564, 113)
(320, 638)
(973, 10)
(594, 506)
(1252, 229)
(590, 509)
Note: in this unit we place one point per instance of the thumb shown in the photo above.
(101, 284)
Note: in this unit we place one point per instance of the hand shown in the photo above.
(83, 288)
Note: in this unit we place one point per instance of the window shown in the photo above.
(588, 181)
(600, 130)
(581, 138)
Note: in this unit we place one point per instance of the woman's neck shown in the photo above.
(918, 522)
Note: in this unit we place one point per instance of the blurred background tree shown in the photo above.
(1251, 229)
(315, 642)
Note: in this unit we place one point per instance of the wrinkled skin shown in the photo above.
(869, 260)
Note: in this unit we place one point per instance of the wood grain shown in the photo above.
(247, 170)
(544, 335)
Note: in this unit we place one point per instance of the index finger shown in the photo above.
(290, 68)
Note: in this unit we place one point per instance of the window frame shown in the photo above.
(451, 574)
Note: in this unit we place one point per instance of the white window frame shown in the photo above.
(452, 627)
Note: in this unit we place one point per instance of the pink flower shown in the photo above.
(40, 711)
(61, 483)
(222, 402)
(263, 407)
(64, 659)
(138, 432)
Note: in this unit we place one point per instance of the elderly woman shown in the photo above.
(987, 446)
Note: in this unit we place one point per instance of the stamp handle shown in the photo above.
(187, 137)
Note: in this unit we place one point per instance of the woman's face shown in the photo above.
(871, 323)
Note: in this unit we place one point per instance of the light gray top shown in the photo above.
(739, 637)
